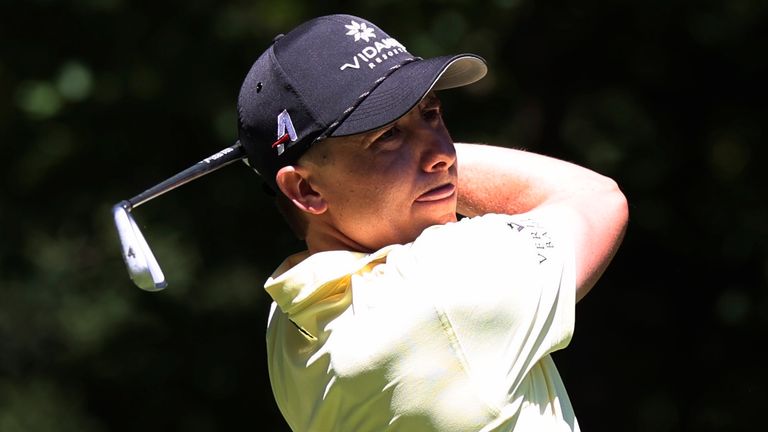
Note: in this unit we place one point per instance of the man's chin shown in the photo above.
(448, 218)
(442, 220)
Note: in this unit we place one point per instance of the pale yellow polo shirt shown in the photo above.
(449, 333)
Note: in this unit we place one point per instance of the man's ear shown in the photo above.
(292, 181)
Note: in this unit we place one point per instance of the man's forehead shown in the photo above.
(430, 100)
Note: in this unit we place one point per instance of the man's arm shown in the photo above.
(501, 180)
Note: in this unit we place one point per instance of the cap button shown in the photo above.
(277, 37)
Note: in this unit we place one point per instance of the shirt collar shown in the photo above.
(305, 283)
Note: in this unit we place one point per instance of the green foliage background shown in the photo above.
(100, 99)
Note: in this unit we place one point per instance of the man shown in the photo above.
(398, 316)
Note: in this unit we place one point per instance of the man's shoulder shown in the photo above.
(467, 242)
(492, 224)
(491, 239)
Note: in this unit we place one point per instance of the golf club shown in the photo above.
(139, 259)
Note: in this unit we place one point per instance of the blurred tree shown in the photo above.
(103, 98)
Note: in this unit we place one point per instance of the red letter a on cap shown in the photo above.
(285, 132)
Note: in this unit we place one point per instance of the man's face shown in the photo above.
(387, 186)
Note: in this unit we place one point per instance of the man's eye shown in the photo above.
(431, 114)
(388, 135)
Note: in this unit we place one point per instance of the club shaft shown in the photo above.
(212, 163)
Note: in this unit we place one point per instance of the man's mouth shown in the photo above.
(438, 193)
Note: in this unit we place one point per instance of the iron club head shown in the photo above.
(139, 259)
(141, 263)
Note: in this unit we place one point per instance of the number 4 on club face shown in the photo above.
(139, 259)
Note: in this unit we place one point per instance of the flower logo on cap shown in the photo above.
(360, 31)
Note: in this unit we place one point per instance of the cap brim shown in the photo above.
(402, 90)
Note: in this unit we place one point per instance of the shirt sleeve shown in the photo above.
(504, 287)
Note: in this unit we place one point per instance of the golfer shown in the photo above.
(438, 278)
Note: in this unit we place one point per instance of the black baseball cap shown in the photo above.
(334, 75)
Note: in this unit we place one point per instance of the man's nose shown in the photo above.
(438, 152)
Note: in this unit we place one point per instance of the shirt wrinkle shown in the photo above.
(458, 350)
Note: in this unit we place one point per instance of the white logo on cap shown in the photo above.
(285, 132)
(360, 31)
(376, 52)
